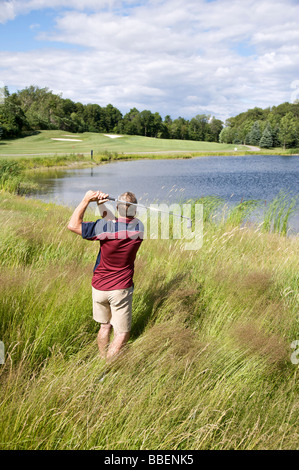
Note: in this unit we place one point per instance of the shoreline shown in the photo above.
(66, 163)
(175, 153)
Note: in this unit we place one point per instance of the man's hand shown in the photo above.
(75, 224)
(98, 196)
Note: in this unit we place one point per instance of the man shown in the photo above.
(112, 281)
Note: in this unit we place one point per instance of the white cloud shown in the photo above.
(178, 57)
(7, 11)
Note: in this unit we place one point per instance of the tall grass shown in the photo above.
(208, 363)
(12, 178)
(275, 218)
(278, 213)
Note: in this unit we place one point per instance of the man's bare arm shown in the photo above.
(75, 224)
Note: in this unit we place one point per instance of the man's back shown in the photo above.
(120, 240)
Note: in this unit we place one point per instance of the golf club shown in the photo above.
(189, 221)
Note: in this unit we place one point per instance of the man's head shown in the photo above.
(126, 210)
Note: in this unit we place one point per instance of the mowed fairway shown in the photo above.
(43, 143)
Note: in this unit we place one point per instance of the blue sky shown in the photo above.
(21, 34)
(177, 57)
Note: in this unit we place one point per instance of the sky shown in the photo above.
(175, 57)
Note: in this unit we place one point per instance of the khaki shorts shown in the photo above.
(114, 307)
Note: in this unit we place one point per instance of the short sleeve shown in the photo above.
(92, 230)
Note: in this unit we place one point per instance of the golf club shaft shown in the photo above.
(147, 207)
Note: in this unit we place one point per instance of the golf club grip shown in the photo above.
(111, 198)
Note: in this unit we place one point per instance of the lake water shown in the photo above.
(233, 178)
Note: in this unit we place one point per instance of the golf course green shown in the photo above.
(44, 142)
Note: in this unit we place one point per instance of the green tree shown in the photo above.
(243, 130)
(110, 118)
(31, 95)
(215, 127)
(288, 130)
(131, 122)
(92, 117)
(12, 118)
(255, 134)
(158, 129)
(42, 108)
(178, 129)
(166, 127)
(167, 119)
(227, 135)
(199, 127)
(147, 122)
(266, 140)
(78, 117)
(77, 123)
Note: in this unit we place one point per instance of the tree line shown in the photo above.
(33, 109)
(276, 126)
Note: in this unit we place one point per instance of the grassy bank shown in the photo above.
(208, 364)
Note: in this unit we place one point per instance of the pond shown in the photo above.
(233, 178)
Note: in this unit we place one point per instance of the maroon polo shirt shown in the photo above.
(119, 240)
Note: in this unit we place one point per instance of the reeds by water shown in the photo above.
(277, 215)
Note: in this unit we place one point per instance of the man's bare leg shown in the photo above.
(103, 338)
(119, 341)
